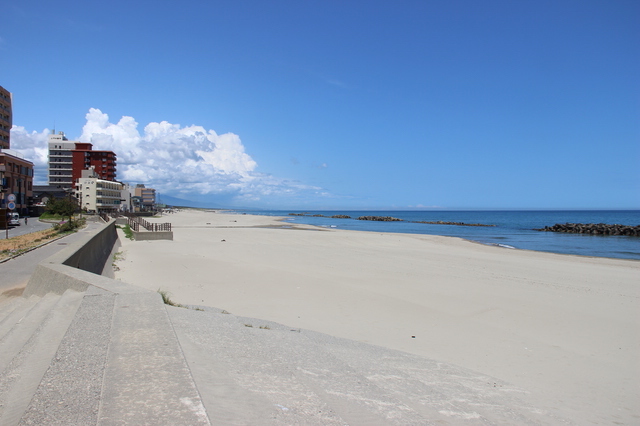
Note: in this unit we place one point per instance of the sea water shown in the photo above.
(511, 230)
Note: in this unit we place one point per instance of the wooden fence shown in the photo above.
(136, 222)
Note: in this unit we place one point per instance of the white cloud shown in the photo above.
(174, 160)
(33, 146)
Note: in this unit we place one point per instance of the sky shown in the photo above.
(334, 104)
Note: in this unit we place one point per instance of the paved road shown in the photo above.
(33, 225)
(16, 272)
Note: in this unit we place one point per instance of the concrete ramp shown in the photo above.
(256, 372)
(81, 349)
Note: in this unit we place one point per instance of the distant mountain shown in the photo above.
(174, 201)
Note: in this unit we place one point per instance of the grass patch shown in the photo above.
(117, 257)
(166, 298)
(127, 231)
(21, 243)
(49, 216)
(16, 245)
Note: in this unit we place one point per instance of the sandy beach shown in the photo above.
(564, 329)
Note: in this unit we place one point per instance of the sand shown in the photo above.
(565, 329)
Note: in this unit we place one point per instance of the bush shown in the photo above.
(62, 206)
(70, 226)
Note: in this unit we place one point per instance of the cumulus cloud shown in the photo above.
(33, 147)
(187, 159)
(174, 160)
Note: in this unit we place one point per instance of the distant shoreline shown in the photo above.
(514, 228)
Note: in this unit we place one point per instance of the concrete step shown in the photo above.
(147, 380)
(20, 325)
(12, 312)
(39, 332)
(118, 363)
(70, 391)
(7, 305)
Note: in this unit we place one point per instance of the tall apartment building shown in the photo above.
(16, 172)
(61, 161)
(67, 160)
(6, 118)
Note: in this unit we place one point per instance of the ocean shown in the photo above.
(511, 230)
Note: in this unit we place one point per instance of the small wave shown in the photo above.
(629, 254)
(504, 246)
(498, 245)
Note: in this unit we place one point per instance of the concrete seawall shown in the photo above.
(105, 348)
(77, 266)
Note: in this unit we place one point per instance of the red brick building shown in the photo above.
(84, 157)
(16, 177)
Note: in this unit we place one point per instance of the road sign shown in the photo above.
(11, 206)
(11, 198)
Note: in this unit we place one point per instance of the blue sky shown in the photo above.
(339, 104)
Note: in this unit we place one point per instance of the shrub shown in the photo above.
(127, 232)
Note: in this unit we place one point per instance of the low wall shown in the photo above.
(152, 235)
(95, 252)
(78, 266)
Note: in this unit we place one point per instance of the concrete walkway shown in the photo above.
(17, 271)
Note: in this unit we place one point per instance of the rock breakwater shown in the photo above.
(594, 229)
(380, 218)
(442, 222)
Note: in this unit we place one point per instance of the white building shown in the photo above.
(127, 194)
(61, 161)
(97, 195)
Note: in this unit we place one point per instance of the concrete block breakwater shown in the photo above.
(594, 229)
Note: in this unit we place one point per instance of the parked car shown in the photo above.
(13, 219)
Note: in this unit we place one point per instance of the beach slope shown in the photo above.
(563, 329)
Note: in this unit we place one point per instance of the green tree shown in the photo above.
(62, 206)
